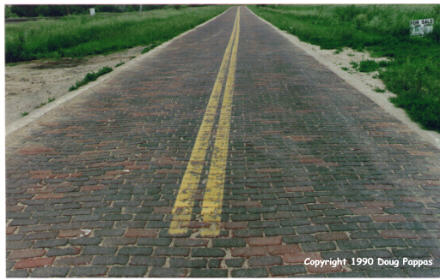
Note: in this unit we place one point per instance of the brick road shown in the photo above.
(314, 170)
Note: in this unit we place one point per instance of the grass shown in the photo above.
(89, 77)
(81, 35)
(413, 72)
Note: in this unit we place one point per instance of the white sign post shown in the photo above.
(92, 11)
(421, 26)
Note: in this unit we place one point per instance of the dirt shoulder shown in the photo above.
(29, 84)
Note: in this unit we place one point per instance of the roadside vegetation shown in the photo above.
(81, 35)
(413, 72)
(90, 77)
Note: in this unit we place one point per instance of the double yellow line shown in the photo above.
(213, 197)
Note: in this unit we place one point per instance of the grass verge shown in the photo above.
(413, 72)
(91, 77)
(81, 35)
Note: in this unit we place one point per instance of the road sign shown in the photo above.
(421, 26)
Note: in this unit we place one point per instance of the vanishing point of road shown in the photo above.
(227, 153)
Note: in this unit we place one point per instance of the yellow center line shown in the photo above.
(213, 198)
(185, 198)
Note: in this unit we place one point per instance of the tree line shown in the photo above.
(64, 10)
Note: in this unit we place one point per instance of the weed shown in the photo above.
(119, 64)
(41, 105)
(377, 89)
(50, 99)
(91, 77)
(368, 66)
(150, 47)
(24, 114)
(345, 68)
(354, 65)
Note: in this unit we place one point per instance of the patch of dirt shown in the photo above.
(31, 84)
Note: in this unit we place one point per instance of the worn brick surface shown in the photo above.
(315, 170)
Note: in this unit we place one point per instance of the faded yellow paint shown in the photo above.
(213, 198)
(184, 203)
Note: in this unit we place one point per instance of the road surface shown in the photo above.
(228, 153)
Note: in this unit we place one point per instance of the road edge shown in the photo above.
(382, 101)
(36, 114)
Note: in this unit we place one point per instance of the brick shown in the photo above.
(184, 242)
(283, 249)
(63, 251)
(70, 233)
(398, 234)
(388, 218)
(330, 236)
(154, 241)
(110, 260)
(188, 263)
(10, 230)
(209, 273)
(298, 239)
(17, 273)
(411, 253)
(98, 250)
(167, 272)
(264, 261)
(279, 231)
(214, 263)
(354, 244)
(26, 253)
(311, 229)
(80, 260)
(33, 262)
(234, 262)
(88, 271)
(136, 251)
(50, 272)
(248, 252)
(247, 233)
(235, 225)
(264, 241)
(299, 257)
(135, 232)
(171, 251)
(316, 247)
(109, 232)
(228, 243)
(50, 243)
(132, 271)
(249, 273)
(388, 243)
(86, 241)
(208, 252)
(286, 270)
(147, 261)
(324, 269)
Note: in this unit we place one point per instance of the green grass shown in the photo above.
(91, 77)
(81, 35)
(413, 72)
